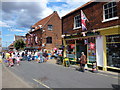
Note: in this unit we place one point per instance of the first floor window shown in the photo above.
(49, 40)
(50, 27)
(77, 21)
(110, 10)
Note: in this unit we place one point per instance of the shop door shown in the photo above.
(81, 48)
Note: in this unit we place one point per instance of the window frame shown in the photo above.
(109, 19)
(48, 40)
(75, 23)
(51, 28)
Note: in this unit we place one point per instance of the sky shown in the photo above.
(17, 16)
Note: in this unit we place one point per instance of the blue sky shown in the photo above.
(19, 15)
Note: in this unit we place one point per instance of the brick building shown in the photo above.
(101, 40)
(16, 37)
(46, 33)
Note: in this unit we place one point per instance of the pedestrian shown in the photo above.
(36, 56)
(18, 60)
(83, 61)
(13, 57)
(45, 55)
(3, 55)
(10, 60)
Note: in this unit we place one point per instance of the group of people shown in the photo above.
(38, 55)
(11, 58)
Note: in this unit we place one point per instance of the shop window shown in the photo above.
(110, 10)
(77, 21)
(113, 50)
(50, 27)
(49, 40)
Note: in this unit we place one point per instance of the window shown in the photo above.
(49, 40)
(50, 27)
(110, 10)
(77, 21)
(113, 50)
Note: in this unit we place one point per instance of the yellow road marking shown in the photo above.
(42, 84)
(108, 76)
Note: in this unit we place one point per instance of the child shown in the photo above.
(18, 60)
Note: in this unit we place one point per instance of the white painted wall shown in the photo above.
(99, 50)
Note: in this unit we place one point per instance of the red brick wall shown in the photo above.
(55, 33)
(94, 13)
(38, 34)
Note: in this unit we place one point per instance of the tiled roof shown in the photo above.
(43, 21)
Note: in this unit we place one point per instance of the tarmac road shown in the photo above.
(50, 75)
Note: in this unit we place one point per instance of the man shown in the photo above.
(83, 61)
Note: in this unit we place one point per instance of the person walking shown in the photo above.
(10, 60)
(83, 61)
(45, 55)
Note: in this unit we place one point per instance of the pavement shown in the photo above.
(10, 80)
(108, 73)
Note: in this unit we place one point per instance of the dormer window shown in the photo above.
(50, 27)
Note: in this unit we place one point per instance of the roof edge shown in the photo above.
(84, 5)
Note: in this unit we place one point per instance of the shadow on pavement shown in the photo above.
(116, 87)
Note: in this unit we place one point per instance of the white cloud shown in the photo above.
(17, 30)
(9, 35)
(24, 13)
(69, 6)
(3, 24)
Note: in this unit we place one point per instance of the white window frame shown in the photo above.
(75, 23)
(50, 29)
(109, 19)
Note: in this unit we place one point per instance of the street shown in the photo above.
(51, 75)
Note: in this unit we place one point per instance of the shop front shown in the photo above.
(74, 47)
(110, 41)
(113, 51)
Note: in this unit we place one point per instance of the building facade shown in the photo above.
(46, 33)
(100, 41)
(16, 37)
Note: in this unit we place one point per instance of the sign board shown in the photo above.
(71, 55)
(92, 52)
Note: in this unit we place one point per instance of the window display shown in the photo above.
(113, 50)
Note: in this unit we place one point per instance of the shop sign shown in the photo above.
(92, 45)
(72, 46)
(91, 52)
